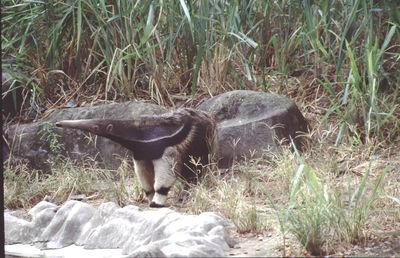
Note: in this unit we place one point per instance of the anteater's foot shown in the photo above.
(156, 205)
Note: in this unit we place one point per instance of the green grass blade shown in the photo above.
(361, 188)
(186, 12)
(349, 22)
(296, 185)
(149, 25)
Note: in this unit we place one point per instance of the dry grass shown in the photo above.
(23, 187)
(347, 194)
(327, 199)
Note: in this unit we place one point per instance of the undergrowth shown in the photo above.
(321, 204)
(321, 216)
(24, 187)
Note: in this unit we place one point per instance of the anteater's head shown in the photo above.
(146, 136)
(144, 130)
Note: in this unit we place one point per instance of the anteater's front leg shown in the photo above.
(164, 178)
(145, 172)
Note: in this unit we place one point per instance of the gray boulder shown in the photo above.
(42, 214)
(172, 233)
(136, 233)
(37, 142)
(100, 217)
(250, 123)
(115, 228)
(16, 230)
(67, 224)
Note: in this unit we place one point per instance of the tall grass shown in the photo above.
(24, 187)
(90, 50)
(322, 215)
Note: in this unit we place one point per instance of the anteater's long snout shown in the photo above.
(70, 123)
(87, 125)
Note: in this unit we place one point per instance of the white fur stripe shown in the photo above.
(159, 199)
(163, 174)
(161, 138)
(163, 177)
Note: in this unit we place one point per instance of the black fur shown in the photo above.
(163, 190)
(156, 205)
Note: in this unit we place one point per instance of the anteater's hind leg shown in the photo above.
(145, 172)
(164, 178)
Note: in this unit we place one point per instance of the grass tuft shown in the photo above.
(323, 215)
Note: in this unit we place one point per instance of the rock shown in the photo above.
(173, 232)
(42, 214)
(102, 214)
(36, 143)
(16, 230)
(66, 226)
(136, 233)
(115, 229)
(21, 231)
(40, 207)
(250, 123)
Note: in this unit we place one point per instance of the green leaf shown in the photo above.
(361, 188)
(186, 12)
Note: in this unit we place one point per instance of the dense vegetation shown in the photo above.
(338, 59)
(341, 55)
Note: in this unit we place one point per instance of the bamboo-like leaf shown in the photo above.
(197, 67)
(186, 12)
(387, 40)
(149, 25)
(349, 21)
(110, 77)
(246, 39)
(312, 181)
(78, 26)
(361, 188)
(354, 72)
(296, 185)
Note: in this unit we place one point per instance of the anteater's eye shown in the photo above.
(109, 128)
(96, 128)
